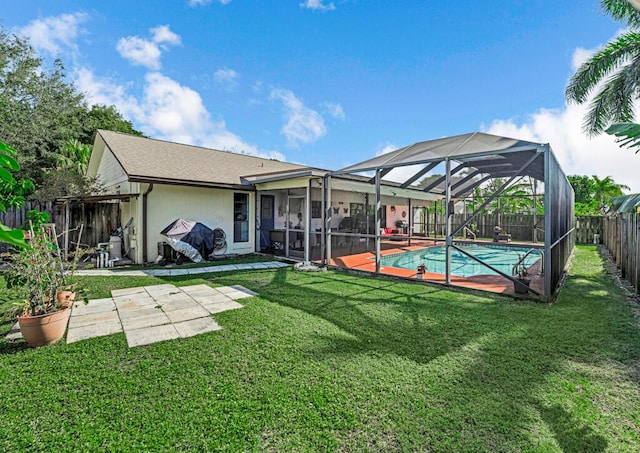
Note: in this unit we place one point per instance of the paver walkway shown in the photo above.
(151, 313)
(173, 271)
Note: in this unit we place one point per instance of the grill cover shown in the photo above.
(193, 239)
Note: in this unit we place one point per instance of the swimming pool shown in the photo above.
(501, 257)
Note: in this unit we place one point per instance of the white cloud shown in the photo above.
(140, 52)
(576, 153)
(302, 124)
(144, 52)
(169, 111)
(386, 148)
(580, 55)
(177, 113)
(196, 3)
(106, 92)
(162, 34)
(56, 33)
(173, 110)
(335, 110)
(317, 5)
(226, 77)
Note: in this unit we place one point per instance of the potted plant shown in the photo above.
(67, 291)
(422, 269)
(521, 271)
(36, 272)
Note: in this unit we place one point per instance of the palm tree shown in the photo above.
(614, 71)
(605, 189)
(74, 157)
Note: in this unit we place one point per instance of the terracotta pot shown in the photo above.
(45, 329)
(65, 298)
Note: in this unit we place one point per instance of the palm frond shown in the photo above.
(614, 101)
(622, 10)
(609, 59)
(628, 134)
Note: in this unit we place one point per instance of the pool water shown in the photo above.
(500, 257)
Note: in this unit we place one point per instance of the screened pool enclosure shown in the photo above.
(453, 193)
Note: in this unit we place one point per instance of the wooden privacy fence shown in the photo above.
(587, 227)
(99, 220)
(621, 239)
(521, 227)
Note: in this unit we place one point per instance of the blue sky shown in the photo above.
(329, 84)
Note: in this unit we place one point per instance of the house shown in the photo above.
(346, 217)
(167, 181)
(261, 204)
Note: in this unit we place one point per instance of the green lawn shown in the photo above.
(331, 361)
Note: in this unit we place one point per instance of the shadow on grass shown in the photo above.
(13, 347)
(334, 361)
(497, 352)
(382, 316)
(569, 434)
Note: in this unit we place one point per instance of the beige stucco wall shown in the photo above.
(212, 207)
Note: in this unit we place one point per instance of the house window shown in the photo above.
(240, 217)
(316, 209)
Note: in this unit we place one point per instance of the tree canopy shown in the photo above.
(41, 113)
(593, 194)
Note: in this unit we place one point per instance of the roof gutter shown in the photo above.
(174, 182)
(144, 222)
(258, 179)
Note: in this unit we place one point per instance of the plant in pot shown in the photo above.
(521, 271)
(68, 289)
(36, 273)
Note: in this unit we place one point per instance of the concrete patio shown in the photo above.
(151, 313)
(148, 314)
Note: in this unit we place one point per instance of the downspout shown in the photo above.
(144, 222)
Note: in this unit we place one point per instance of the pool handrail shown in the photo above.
(523, 257)
(467, 230)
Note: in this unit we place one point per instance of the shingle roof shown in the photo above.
(156, 160)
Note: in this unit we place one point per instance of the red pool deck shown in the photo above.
(493, 283)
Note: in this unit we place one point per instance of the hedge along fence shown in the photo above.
(99, 220)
